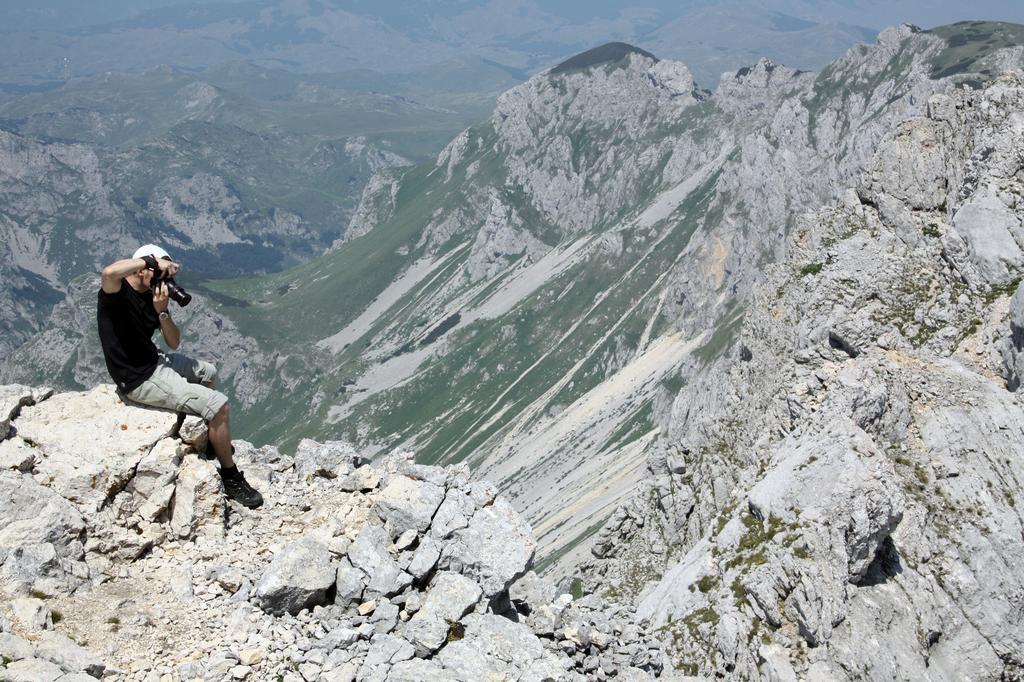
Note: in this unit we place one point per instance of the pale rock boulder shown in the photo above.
(1013, 346)
(370, 554)
(385, 650)
(32, 513)
(424, 558)
(453, 514)
(61, 650)
(376, 204)
(31, 614)
(674, 77)
(32, 670)
(90, 443)
(994, 237)
(17, 455)
(198, 505)
(776, 666)
(839, 488)
(501, 239)
(911, 165)
(14, 648)
(298, 578)
(498, 648)
(110, 537)
(332, 459)
(37, 566)
(449, 598)
(406, 504)
(13, 398)
(495, 548)
(419, 669)
(350, 583)
(363, 479)
(41, 537)
(152, 487)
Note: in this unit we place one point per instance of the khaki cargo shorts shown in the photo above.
(176, 384)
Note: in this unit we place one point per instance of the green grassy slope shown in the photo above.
(968, 43)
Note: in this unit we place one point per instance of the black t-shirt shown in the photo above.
(126, 322)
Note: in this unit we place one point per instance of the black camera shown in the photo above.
(175, 291)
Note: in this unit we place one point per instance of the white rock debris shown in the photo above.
(125, 562)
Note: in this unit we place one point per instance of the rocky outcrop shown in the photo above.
(127, 561)
(852, 467)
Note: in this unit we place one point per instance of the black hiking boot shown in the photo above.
(239, 490)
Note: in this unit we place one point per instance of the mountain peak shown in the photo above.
(608, 53)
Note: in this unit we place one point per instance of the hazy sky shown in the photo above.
(59, 15)
(49, 41)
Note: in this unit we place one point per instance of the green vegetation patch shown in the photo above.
(969, 42)
(456, 631)
(751, 549)
(708, 583)
(811, 269)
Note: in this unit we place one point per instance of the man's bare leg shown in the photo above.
(235, 485)
(219, 433)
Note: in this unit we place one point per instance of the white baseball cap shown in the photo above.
(150, 250)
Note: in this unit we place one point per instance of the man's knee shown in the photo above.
(223, 414)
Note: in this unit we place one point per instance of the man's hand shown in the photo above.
(168, 268)
(160, 297)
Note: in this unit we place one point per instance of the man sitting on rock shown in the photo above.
(130, 309)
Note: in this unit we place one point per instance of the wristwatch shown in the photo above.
(164, 315)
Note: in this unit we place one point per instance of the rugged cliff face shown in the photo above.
(535, 300)
(854, 466)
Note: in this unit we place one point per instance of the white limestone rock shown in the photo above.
(912, 166)
(406, 504)
(1012, 349)
(298, 578)
(198, 505)
(494, 549)
(994, 237)
(17, 455)
(152, 487)
(449, 597)
(350, 582)
(846, 492)
(31, 614)
(14, 397)
(417, 670)
(674, 77)
(32, 670)
(385, 650)
(369, 553)
(31, 513)
(14, 648)
(90, 443)
(68, 654)
(332, 459)
(497, 647)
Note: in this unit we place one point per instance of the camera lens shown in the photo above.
(176, 293)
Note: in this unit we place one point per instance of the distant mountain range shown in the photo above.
(50, 41)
